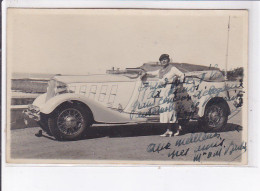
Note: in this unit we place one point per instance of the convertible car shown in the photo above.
(73, 103)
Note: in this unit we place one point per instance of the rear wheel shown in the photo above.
(215, 117)
(69, 122)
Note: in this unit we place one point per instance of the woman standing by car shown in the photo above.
(168, 78)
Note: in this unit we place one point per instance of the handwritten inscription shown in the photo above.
(208, 146)
(157, 148)
(195, 91)
(177, 153)
(195, 138)
(234, 147)
(189, 96)
(199, 147)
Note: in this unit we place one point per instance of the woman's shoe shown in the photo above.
(178, 131)
(168, 133)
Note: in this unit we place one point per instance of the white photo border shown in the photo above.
(22, 173)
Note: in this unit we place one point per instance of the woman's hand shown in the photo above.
(163, 82)
(142, 74)
(181, 78)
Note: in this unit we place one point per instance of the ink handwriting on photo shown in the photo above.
(199, 146)
(158, 147)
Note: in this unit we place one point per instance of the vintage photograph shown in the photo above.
(127, 86)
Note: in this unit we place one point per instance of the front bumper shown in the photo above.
(33, 112)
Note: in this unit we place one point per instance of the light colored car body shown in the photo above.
(127, 98)
(105, 95)
(111, 97)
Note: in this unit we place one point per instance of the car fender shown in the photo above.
(206, 99)
(40, 100)
(100, 112)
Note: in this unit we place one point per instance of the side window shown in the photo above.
(112, 94)
(103, 93)
(92, 92)
(83, 90)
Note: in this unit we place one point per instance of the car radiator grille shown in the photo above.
(51, 89)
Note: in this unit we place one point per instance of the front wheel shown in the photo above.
(215, 117)
(69, 122)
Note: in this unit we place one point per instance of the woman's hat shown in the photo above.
(163, 56)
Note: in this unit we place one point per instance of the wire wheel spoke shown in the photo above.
(214, 116)
(70, 121)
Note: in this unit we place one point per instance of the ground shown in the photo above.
(135, 142)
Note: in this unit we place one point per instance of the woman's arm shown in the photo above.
(172, 76)
(173, 73)
(149, 74)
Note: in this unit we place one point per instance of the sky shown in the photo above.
(84, 41)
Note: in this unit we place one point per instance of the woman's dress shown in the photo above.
(168, 107)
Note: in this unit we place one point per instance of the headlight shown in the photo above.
(56, 87)
(60, 88)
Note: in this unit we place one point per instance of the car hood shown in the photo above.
(96, 78)
(207, 75)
